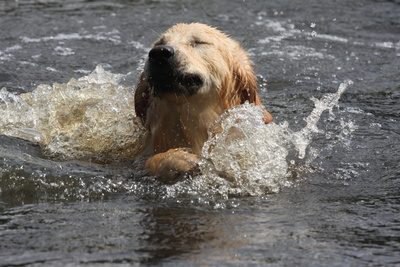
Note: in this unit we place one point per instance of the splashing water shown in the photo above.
(244, 156)
(303, 138)
(93, 118)
(249, 155)
(89, 118)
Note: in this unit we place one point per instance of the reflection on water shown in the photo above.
(175, 232)
(151, 234)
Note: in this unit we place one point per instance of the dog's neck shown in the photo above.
(178, 125)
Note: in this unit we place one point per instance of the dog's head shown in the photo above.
(192, 61)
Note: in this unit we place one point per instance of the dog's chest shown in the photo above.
(176, 128)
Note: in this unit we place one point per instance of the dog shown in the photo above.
(193, 73)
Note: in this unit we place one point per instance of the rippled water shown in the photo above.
(319, 186)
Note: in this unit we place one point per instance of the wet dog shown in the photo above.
(192, 75)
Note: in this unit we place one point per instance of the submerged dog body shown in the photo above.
(192, 75)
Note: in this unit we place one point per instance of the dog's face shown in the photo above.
(192, 59)
(197, 65)
(192, 75)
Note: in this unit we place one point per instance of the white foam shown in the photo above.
(112, 36)
(64, 51)
(386, 45)
(13, 48)
(296, 52)
(332, 38)
(139, 46)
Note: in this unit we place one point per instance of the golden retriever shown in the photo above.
(191, 76)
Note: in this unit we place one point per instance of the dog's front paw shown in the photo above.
(171, 165)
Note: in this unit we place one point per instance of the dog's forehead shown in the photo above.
(182, 32)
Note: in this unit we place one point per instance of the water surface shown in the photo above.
(320, 186)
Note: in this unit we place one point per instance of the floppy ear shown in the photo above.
(245, 81)
(246, 84)
(142, 98)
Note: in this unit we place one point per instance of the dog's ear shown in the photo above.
(142, 98)
(246, 83)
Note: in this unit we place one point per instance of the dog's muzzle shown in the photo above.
(164, 74)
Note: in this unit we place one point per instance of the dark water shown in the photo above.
(341, 204)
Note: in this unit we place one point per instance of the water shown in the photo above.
(319, 186)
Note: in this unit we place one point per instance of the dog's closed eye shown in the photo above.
(197, 42)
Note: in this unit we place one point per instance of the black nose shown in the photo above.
(161, 52)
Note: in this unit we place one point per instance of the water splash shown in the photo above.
(249, 155)
(93, 118)
(243, 156)
(88, 118)
(303, 138)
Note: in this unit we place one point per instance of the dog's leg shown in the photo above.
(168, 166)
